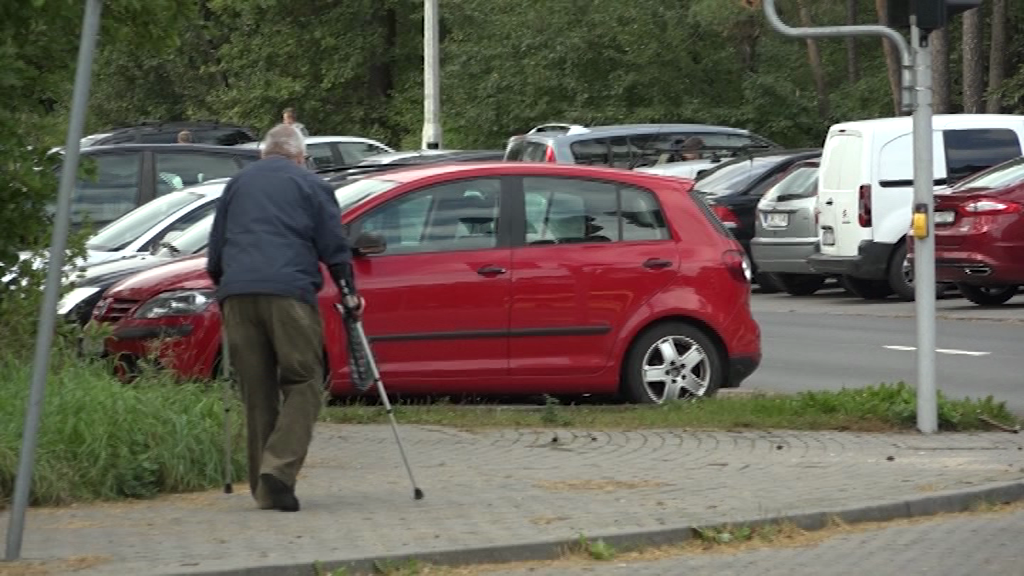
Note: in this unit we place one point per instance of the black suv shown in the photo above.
(203, 132)
(129, 175)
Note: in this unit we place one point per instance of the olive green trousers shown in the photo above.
(275, 346)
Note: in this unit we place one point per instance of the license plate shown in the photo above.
(776, 219)
(944, 217)
(828, 237)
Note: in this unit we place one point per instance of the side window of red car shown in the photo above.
(460, 215)
(569, 210)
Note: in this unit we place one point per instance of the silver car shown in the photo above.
(786, 230)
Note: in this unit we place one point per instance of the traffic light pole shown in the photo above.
(916, 97)
(923, 228)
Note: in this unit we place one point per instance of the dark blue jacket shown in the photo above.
(274, 223)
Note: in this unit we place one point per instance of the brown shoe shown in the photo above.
(282, 496)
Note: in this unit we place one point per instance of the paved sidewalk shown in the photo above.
(507, 487)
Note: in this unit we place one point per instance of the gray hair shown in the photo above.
(284, 140)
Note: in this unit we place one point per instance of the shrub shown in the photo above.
(100, 439)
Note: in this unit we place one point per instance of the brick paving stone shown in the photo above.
(987, 545)
(512, 486)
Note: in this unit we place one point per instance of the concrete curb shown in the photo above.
(948, 502)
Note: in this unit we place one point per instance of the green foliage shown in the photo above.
(103, 440)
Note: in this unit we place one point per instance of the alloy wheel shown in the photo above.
(676, 367)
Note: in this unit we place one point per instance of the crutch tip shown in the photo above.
(417, 494)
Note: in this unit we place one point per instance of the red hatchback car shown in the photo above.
(505, 279)
(979, 234)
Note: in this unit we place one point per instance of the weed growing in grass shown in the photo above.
(101, 439)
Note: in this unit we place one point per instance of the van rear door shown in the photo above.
(843, 169)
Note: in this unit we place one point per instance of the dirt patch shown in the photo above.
(597, 485)
(32, 568)
(545, 520)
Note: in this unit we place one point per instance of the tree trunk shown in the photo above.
(892, 58)
(852, 67)
(973, 63)
(996, 57)
(940, 71)
(814, 57)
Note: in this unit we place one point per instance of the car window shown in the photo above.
(569, 210)
(176, 170)
(128, 228)
(190, 240)
(801, 182)
(176, 228)
(514, 150)
(1008, 174)
(534, 151)
(356, 191)
(353, 153)
(971, 151)
(111, 192)
(648, 149)
(735, 176)
(321, 155)
(460, 215)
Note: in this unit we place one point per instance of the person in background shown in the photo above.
(185, 137)
(288, 117)
(274, 225)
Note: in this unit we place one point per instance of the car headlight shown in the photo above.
(176, 303)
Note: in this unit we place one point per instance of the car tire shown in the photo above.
(866, 288)
(901, 274)
(646, 355)
(800, 284)
(988, 295)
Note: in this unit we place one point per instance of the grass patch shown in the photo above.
(100, 439)
(885, 407)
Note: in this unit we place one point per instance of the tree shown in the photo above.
(997, 57)
(973, 62)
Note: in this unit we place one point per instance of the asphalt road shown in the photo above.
(832, 340)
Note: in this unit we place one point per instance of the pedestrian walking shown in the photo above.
(288, 117)
(275, 223)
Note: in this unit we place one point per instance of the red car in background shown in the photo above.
(506, 279)
(979, 234)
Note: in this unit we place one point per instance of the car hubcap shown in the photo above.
(908, 271)
(676, 367)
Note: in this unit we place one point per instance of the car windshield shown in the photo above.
(121, 232)
(802, 182)
(190, 241)
(734, 177)
(1007, 174)
(351, 194)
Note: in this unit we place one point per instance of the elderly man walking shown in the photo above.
(274, 224)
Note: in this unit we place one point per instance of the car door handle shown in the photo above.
(828, 202)
(656, 263)
(488, 270)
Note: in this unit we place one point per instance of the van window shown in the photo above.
(841, 161)
(971, 151)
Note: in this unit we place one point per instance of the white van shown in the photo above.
(866, 191)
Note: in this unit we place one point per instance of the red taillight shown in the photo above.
(738, 265)
(864, 205)
(549, 154)
(989, 206)
(726, 216)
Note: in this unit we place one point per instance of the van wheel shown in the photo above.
(867, 289)
(988, 295)
(901, 274)
(800, 284)
(672, 361)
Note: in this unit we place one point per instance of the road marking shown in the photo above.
(940, 351)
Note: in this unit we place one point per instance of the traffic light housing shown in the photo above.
(931, 14)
